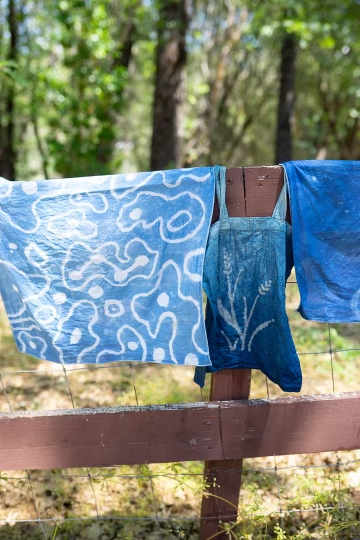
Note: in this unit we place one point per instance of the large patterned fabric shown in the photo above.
(107, 268)
(325, 210)
(247, 261)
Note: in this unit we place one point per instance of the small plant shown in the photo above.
(280, 533)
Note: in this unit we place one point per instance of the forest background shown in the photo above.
(91, 87)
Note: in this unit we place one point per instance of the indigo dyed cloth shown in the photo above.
(325, 210)
(107, 268)
(245, 270)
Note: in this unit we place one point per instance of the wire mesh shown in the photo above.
(292, 489)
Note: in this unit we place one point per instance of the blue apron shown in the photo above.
(247, 261)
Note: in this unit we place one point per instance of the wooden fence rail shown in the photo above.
(222, 432)
(217, 430)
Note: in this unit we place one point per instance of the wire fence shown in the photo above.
(300, 494)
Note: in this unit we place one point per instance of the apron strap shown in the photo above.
(220, 186)
(281, 204)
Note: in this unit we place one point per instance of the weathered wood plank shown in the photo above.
(262, 189)
(161, 434)
(251, 191)
(223, 477)
(235, 194)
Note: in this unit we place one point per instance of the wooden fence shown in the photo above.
(222, 432)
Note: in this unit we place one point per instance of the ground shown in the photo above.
(317, 498)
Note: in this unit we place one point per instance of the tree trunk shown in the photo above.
(286, 100)
(170, 62)
(7, 126)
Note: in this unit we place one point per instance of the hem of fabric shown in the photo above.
(316, 318)
(293, 387)
(120, 361)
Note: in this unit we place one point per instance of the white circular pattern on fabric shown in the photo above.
(135, 214)
(78, 197)
(45, 314)
(96, 291)
(32, 344)
(113, 308)
(130, 177)
(132, 345)
(59, 298)
(120, 275)
(191, 360)
(175, 228)
(74, 223)
(29, 187)
(12, 246)
(75, 336)
(163, 299)
(158, 354)
(141, 260)
(75, 275)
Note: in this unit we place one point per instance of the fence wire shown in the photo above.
(275, 479)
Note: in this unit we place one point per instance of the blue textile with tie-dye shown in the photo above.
(325, 211)
(247, 261)
(107, 268)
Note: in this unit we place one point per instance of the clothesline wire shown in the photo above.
(333, 388)
(125, 365)
(39, 520)
(275, 469)
(160, 518)
(28, 476)
(87, 469)
(150, 476)
(244, 470)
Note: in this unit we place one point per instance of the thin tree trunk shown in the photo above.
(7, 148)
(168, 98)
(286, 100)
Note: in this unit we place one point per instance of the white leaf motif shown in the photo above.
(230, 315)
(265, 287)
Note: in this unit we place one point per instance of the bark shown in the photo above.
(125, 53)
(40, 147)
(7, 126)
(286, 100)
(168, 98)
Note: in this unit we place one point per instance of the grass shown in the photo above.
(317, 499)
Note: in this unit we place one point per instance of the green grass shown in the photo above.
(318, 502)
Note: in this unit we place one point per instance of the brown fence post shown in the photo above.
(251, 191)
(223, 477)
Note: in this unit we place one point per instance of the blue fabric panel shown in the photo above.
(107, 268)
(325, 210)
(246, 262)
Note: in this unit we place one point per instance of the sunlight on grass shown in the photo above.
(312, 499)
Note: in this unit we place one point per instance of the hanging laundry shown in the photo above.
(325, 210)
(245, 270)
(107, 268)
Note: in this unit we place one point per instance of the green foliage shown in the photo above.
(84, 77)
(83, 89)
